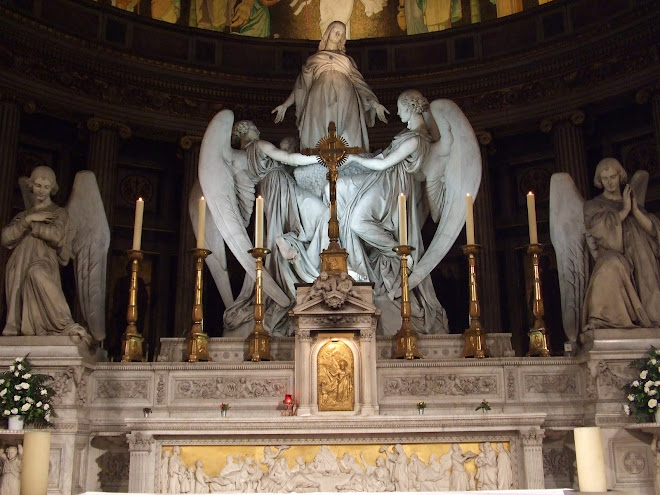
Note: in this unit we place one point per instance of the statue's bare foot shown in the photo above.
(78, 334)
(10, 330)
(286, 250)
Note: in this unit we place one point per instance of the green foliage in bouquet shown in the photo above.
(23, 393)
(643, 390)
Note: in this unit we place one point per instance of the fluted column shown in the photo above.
(570, 152)
(487, 273)
(532, 441)
(185, 273)
(102, 157)
(141, 471)
(10, 126)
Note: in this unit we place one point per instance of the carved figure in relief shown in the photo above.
(349, 465)
(459, 480)
(201, 478)
(623, 290)
(504, 472)
(397, 464)
(415, 467)
(330, 88)
(177, 470)
(42, 238)
(486, 462)
(436, 476)
(375, 479)
(325, 461)
(165, 472)
(12, 460)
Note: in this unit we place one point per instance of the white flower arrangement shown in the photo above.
(642, 393)
(25, 393)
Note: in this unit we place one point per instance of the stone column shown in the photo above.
(570, 152)
(487, 270)
(302, 357)
(532, 441)
(10, 126)
(369, 383)
(141, 472)
(508, 7)
(185, 268)
(102, 157)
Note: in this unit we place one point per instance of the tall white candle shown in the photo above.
(137, 227)
(259, 223)
(403, 221)
(531, 218)
(590, 459)
(34, 470)
(469, 219)
(201, 222)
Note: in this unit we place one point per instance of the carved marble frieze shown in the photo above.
(122, 389)
(227, 386)
(113, 470)
(551, 385)
(432, 384)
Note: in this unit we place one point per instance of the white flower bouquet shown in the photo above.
(23, 393)
(643, 391)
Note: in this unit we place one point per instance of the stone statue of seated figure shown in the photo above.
(42, 238)
(623, 290)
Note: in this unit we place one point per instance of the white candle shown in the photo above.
(201, 222)
(137, 227)
(531, 218)
(403, 221)
(469, 219)
(590, 459)
(34, 470)
(259, 223)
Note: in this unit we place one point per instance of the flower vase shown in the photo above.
(657, 415)
(223, 413)
(421, 411)
(15, 423)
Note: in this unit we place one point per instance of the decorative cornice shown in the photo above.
(27, 104)
(95, 124)
(575, 116)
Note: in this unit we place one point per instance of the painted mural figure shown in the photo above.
(330, 88)
(252, 18)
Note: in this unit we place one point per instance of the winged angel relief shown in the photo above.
(623, 290)
(435, 161)
(42, 238)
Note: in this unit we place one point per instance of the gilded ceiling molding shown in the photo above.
(575, 116)
(187, 142)
(95, 124)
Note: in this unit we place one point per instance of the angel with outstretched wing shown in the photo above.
(45, 236)
(230, 179)
(435, 162)
(623, 290)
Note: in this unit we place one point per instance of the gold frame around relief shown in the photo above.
(335, 375)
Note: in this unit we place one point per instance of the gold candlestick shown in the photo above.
(538, 338)
(132, 340)
(405, 340)
(259, 340)
(198, 341)
(475, 339)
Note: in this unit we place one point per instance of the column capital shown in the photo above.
(29, 106)
(95, 124)
(187, 142)
(575, 116)
(484, 137)
(140, 442)
(532, 437)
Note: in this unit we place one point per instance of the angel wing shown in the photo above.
(219, 172)
(639, 184)
(217, 260)
(453, 169)
(569, 238)
(89, 238)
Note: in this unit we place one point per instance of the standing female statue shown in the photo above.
(44, 236)
(330, 88)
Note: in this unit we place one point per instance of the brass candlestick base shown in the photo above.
(405, 340)
(198, 341)
(259, 340)
(475, 338)
(538, 338)
(131, 341)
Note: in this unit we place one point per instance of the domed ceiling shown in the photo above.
(307, 19)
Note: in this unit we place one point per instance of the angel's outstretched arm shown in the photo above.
(294, 159)
(389, 161)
